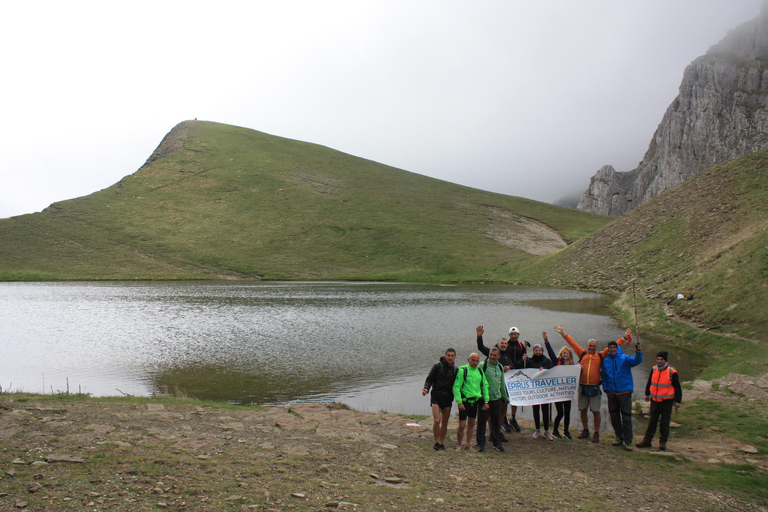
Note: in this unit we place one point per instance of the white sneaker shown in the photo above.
(537, 434)
(548, 436)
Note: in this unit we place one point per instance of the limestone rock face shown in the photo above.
(720, 113)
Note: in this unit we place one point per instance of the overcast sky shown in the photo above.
(522, 98)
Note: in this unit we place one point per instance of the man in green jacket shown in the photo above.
(498, 398)
(470, 389)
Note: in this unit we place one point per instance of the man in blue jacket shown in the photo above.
(616, 373)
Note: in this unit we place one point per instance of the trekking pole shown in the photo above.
(634, 303)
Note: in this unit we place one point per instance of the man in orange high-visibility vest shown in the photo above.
(664, 392)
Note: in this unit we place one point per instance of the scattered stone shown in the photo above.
(162, 504)
(122, 444)
(393, 479)
(374, 476)
(38, 476)
(34, 487)
(10, 473)
(195, 445)
(702, 385)
(155, 407)
(673, 424)
(18, 461)
(750, 449)
(713, 461)
(20, 504)
(388, 446)
(298, 495)
(341, 504)
(58, 457)
(39, 463)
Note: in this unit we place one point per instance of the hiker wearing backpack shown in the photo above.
(664, 392)
(618, 384)
(507, 362)
(440, 379)
(542, 362)
(516, 351)
(498, 398)
(590, 361)
(470, 389)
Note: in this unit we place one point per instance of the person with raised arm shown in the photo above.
(590, 361)
(540, 361)
(618, 384)
(564, 357)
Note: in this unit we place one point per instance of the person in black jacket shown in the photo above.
(516, 351)
(440, 379)
(539, 360)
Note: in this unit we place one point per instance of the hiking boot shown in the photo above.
(505, 426)
(479, 448)
(437, 446)
(442, 447)
(556, 434)
(645, 443)
(584, 434)
(596, 437)
(617, 442)
(548, 436)
(504, 438)
(498, 448)
(567, 435)
(536, 434)
(628, 447)
(662, 446)
(514, 425)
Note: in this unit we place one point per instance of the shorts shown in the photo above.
(442, 402)
(470, 410)
(591, 402)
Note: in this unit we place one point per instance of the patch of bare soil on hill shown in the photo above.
(121, 455)
(522, 233)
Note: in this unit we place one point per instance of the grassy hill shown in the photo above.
(218, 201)
(707, 237)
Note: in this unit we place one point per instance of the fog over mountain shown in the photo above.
(525, 99)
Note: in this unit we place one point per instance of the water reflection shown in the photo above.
(369, 344)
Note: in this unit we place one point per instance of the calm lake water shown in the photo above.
(369, 345)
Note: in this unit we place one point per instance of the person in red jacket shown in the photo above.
(664, 392)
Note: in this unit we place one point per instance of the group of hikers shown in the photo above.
(482, 397)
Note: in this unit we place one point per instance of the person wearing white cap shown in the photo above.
(516, 351)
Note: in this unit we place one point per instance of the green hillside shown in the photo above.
(707, 237)
(218, 201)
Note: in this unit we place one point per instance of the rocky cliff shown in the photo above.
(720, 113)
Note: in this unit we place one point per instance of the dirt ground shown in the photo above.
(126, 455)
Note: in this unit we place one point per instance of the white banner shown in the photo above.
(531, 386)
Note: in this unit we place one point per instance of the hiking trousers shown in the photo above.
(660, 410)
(494, 413)
(620, 409)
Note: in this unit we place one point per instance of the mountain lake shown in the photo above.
(368, 345)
